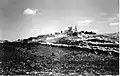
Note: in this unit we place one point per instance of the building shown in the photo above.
(71, 31)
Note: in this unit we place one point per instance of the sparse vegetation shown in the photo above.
(33, 58)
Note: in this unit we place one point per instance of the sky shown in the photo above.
(26, 18)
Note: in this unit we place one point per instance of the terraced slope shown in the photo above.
(34, 58)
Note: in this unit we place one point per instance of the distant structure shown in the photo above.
(76, 28)
(71, 31)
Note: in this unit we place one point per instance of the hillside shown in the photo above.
(34, 58)
(62, 56)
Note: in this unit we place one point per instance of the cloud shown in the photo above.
(114, 21)
(114, 24)
(103, 14)
(29, 11)
(84, 22)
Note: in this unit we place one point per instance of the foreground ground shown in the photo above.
(33, 58)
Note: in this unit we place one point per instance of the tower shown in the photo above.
(75, 28)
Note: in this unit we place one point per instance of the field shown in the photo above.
(35, 59)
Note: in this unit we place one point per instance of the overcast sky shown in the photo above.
(25, 18)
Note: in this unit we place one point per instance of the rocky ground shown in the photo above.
(34, 58)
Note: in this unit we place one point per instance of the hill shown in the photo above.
(96, 54)
(37, 59)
